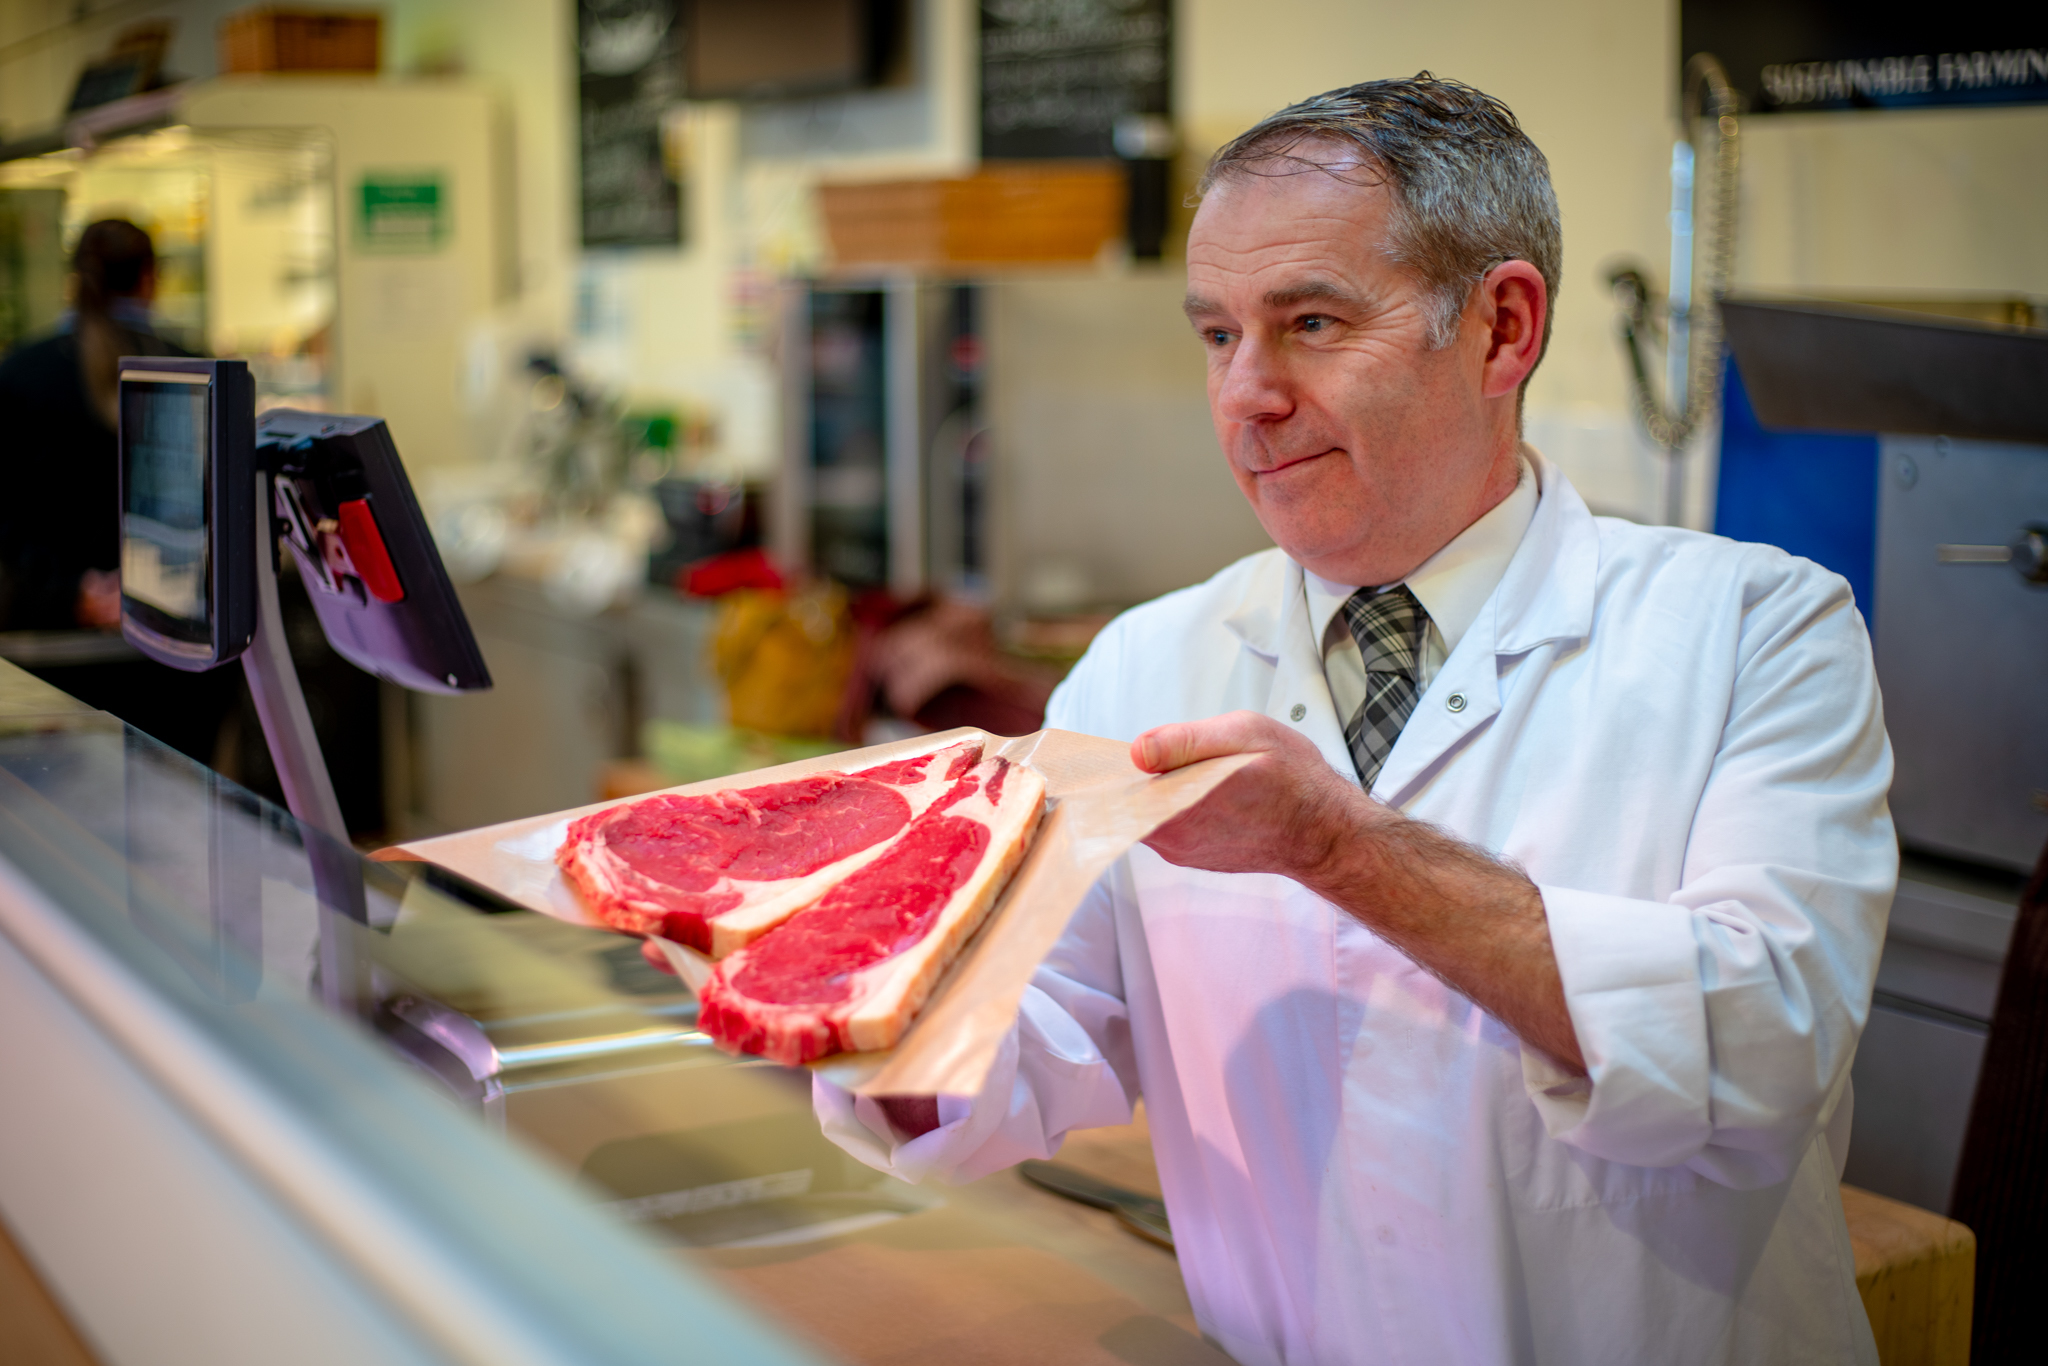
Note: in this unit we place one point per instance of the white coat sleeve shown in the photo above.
(1718, 1025)
(1067, 1063)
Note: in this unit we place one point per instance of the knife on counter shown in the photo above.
(1141, 1214)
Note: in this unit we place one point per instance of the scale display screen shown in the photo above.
(167, 431)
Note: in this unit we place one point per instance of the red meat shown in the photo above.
(715, 871)
(850, 972)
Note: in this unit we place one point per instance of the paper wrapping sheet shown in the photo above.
(1098, 805)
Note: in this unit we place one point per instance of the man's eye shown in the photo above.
(1314, 323)
(1216, 336)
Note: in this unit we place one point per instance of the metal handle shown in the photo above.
(2027, 554)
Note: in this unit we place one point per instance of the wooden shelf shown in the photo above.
(1006, 214)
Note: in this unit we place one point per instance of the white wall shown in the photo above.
(523, 50)
(1107, 470)
(1934, 202)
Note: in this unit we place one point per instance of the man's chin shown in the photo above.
(1323, 544)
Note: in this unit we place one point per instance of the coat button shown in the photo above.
(1456, 701)
(1297, 712)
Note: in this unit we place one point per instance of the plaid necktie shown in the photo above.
(1388, 627)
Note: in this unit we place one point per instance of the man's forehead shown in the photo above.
(1266, 212)
(1284, 240)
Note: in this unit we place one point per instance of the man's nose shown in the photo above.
(1255, 388)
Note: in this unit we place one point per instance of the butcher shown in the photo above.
(1502, 1009)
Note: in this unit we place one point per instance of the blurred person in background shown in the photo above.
(60, 521)
(59, 410)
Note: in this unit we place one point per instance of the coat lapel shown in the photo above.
(1272, 624)
(1546, 594)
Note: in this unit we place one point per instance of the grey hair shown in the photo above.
(1470, 189)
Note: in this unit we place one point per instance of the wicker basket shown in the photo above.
(1019, 213)
(271, 39)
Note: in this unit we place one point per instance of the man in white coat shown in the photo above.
(1502, 1009)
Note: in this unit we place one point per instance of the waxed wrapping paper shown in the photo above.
(1098, 804)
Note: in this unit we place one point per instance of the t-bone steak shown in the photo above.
(848, 973)
(718, 870)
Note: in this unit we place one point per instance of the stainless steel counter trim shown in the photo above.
(569, 1050)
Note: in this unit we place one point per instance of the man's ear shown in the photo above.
(1512, 305)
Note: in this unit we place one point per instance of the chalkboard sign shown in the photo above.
(1056, 75)
(629, 73)
(1795, 55)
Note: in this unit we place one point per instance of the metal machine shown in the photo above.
(1948, 511)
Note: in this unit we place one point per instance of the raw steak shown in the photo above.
(717, 870)
(849, 972)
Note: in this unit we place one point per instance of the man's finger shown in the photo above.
(1164, 748)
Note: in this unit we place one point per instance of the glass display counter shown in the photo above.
(209, 1137)
(285, 1103)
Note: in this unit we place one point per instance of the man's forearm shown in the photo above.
(1465, 917)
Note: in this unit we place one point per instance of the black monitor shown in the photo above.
(188, 499)
(192, 449)
(345, 507)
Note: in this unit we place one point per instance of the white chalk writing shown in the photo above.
(1794, 83)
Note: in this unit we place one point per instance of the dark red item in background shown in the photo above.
(365, 546)
(726, 573)
(1015, 709)
(934, 662)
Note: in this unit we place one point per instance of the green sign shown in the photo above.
(402, 212)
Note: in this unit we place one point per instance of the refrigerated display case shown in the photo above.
(210, 1138)
(270, 1115)
(884, 478)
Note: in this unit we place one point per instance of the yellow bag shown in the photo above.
(785, 658)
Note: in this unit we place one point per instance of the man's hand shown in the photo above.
(1473, 921)
(1283, 813)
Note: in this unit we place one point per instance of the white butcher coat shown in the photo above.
(1679, 738)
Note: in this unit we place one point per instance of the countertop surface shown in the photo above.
(1003, 1272)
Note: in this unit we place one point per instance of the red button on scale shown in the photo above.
(365, 545)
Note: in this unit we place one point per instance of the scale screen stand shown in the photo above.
(302, 773)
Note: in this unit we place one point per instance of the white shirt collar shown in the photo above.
(1453, 584)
